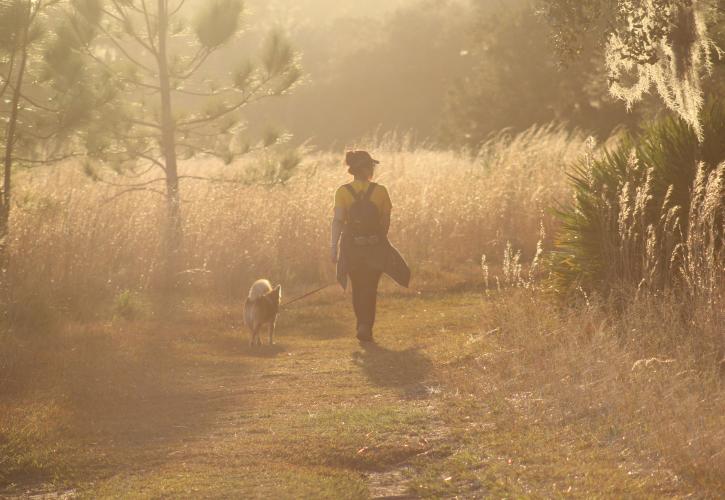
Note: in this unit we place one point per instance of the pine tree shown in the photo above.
(155, 60)
(44, 93)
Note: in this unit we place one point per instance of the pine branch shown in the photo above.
(120, 47)
(196, 62)
(137, 185)
(128, 152)
(126, 21)
(147, 19)
(132, 5)
(215, 116)
(48, 161)
(177, 9)
(139, 174)
(153, 160)
(87, 50)
(153, 89)
(33, 102)
(216, 93)
(131, 153)
(10, 74)
(143, 123)
(112, 15)
(131, 190)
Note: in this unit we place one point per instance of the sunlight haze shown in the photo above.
(362, 249)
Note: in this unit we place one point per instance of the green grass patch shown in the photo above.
(362, 439)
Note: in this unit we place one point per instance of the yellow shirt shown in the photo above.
(380, 197)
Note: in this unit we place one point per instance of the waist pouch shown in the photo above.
(365, 241)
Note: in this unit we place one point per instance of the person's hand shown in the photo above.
(333, 254)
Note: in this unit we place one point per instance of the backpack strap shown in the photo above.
(354, 193)
(370, 190)
(361, 196)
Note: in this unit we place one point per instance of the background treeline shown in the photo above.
(451, 72)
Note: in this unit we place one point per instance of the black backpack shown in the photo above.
(363, 217)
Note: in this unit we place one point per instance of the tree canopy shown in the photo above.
(660, 45)
(516, 80)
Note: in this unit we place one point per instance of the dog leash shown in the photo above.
(318, 290)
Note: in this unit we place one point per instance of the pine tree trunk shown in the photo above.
(10, 138)
(172, 233)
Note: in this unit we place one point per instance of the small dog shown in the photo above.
(261, 308)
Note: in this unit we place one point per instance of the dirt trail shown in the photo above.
(314, 416)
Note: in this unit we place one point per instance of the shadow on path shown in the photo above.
(263, 351)
(236, 344)
(314, 323)
(404, 370)
(114, 400)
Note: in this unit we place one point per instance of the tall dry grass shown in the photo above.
(646, 382)
(70, 248)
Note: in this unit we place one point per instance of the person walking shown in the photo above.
(360, 245)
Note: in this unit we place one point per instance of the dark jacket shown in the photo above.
(382, 256)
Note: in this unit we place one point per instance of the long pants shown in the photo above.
(364, 283)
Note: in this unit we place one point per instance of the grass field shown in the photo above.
(73, 250)
(438, 408)
(483, 383)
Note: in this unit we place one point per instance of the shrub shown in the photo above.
(648, 213)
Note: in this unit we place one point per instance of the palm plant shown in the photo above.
(631, 220)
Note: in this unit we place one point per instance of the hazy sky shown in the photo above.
(294, 16)
(336, 40)
(323, 11)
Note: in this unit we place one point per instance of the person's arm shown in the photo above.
(385, 222)
(385, 212)
(338, 222)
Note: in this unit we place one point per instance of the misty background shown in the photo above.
(449, 73)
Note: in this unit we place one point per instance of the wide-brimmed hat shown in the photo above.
(357, 159)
